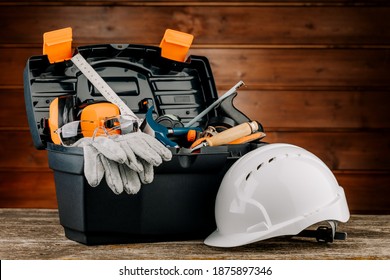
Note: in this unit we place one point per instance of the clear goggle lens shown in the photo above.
(126, 124)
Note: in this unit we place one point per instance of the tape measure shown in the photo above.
(101, 85)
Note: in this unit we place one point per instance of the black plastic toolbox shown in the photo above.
(179, 203)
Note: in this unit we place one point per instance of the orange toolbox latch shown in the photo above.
(57, 44)
(175, 45)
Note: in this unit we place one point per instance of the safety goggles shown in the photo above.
(72, 131)
(126, 124)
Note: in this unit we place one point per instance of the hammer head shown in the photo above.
(160, 132)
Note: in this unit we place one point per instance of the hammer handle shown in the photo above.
(233, 133)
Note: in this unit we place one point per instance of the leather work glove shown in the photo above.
(102, 156)
(144, 151)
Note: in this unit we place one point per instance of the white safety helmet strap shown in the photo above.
(324, 234)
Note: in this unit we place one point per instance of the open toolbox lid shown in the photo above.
(138, 74)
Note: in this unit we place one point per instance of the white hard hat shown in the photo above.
(275, 190)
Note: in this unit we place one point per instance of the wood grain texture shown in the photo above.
(300, 67)
(13, 112)
(315, 109)
(290, 68)
(210, 25)
(366, 192)
(18, 151)
(36, 234)
(198, 3)
(27, 189)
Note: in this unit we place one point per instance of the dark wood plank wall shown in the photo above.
(317, 75)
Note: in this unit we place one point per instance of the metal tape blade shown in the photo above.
(101, 85)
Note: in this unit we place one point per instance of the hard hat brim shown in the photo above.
(337, 210)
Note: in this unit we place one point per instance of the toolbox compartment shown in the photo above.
(179, 203)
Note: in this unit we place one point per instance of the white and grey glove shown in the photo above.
(102, 156)
(120, 177)
(143, 153)
(93, 166)
(125, 161)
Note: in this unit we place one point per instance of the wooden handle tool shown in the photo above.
(229, 135)
(249, 138)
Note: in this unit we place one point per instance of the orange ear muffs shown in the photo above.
(61, 111)
(93, 117)
(53, 121)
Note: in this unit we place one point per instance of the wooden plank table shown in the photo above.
(37, 234)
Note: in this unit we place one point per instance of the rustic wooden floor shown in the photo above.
(37, 234)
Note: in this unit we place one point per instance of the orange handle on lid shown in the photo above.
(57, 44)
(175, 45)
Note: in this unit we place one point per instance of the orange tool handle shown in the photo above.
(233, 133)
